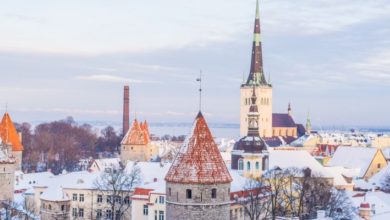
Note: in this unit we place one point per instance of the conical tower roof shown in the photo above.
(199, 160)
(8, 133)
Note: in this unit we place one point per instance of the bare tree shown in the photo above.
(385, 184)
(339, 205)
(254, 199)
(118, 185)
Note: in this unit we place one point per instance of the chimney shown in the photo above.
(126, 110)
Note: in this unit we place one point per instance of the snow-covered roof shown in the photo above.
(294, 158)
(54, 193)
(150, 171)
(353, 157)
(302, 159)
(379, 201)
(28, 180)
(104, 163)
(302, 140)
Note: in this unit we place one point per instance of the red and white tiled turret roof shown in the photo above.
(137, 135)
(199, 160)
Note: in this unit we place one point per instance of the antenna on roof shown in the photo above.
(200, 90)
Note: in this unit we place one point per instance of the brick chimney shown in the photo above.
(126, 110)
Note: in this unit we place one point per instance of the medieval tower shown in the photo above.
(7, 172)
(198, 182)
(136, 144)
(263, 88)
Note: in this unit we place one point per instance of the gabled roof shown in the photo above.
(282, 120)
(354, 157)
(199, 160)
(137, 135)
(9, 134)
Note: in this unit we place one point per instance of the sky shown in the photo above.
(327, 57)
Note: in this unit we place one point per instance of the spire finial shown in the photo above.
(257, 9)
(6, 107)
(200, 90)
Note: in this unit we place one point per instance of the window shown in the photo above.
(74, 197)
(257, 165)
(62, 207)
(248, 166)
(161, 215)
(117, 215)
(49, 207)
(108, 199)
(146, 210)
(74, 212)
(169, 191)
(81, 212)
(379, 165)
(240, 164)
(161, 199)
(100, 198)
(127, 200)
(81, 197)
(189, 194)
(214, 193)
(99, 213)
(155, 214)
(118, 199)
(108, 214)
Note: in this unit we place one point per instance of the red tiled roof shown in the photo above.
(142, 191)
(136, 135)
(199, 160)
(9, 134)
(282, 120)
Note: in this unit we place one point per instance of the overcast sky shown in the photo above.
(59, 58)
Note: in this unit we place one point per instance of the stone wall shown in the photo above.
(201, 205)
(7, 179)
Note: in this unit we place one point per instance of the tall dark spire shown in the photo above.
(256, 75)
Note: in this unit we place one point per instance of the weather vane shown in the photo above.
(200, 89)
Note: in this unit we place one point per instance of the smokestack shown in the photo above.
(126, 110)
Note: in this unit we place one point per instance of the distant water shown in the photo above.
(221, 130)
(218, 130)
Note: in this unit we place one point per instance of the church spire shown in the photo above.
(253, 116)
(308, 124)
(256, 75)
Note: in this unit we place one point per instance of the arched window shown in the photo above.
(49, 207)
(240, 164)
(248, 166)
(257, 165)
(214, 193)
(265, 163)
(189, 194)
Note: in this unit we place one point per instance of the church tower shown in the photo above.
(250, 154)
(263, 89)
(198, 182)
